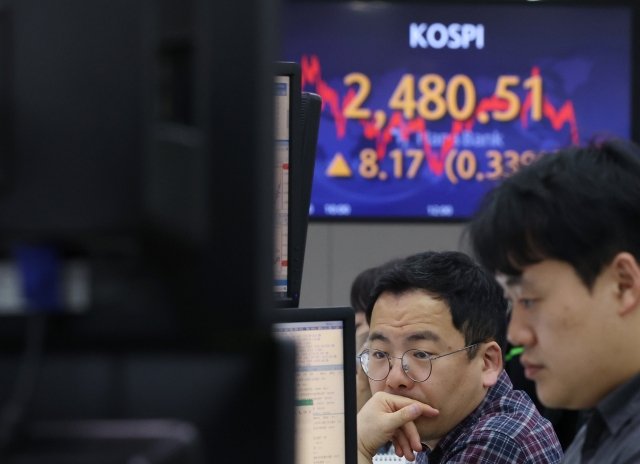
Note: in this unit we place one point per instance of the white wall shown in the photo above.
(337, 253)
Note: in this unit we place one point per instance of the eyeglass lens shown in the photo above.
(415, 363)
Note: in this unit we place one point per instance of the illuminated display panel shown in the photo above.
(281, 184)
(320, 402)
(426, 107)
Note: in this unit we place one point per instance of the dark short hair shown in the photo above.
(364, 283)
(579, 205)
(476, 301)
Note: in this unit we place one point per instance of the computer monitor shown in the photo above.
(286, 133)
(297, 119)
(143, 147)
(325, 382)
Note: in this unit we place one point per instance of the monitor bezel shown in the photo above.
(347, 316)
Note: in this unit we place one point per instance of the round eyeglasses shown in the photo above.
(415, 363)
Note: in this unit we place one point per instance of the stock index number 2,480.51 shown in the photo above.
(437, 97)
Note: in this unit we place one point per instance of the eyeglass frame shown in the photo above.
(389, 357)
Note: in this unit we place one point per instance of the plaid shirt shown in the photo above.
(505, 428)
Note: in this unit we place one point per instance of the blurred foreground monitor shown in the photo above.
(136, 244)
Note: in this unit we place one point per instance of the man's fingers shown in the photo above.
(429, 411)
(411, 432)
(396, 447)
(384, 416)
(426, 410)
(395, 403)
(406, 434)
(405, 446)
(404, 415)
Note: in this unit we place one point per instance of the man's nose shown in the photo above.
(397, 378)
(519, 332)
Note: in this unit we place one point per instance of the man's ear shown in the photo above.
(491, 363)
(626, 273)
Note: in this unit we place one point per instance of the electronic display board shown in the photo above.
(427, 106)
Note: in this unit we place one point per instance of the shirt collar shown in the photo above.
(621, 405)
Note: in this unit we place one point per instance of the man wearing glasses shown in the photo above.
(437, 325)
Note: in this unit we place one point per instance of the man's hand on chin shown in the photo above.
(389, 417)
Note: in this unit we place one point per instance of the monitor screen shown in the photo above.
(427, 106)
(281, 185)
(320, 386)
